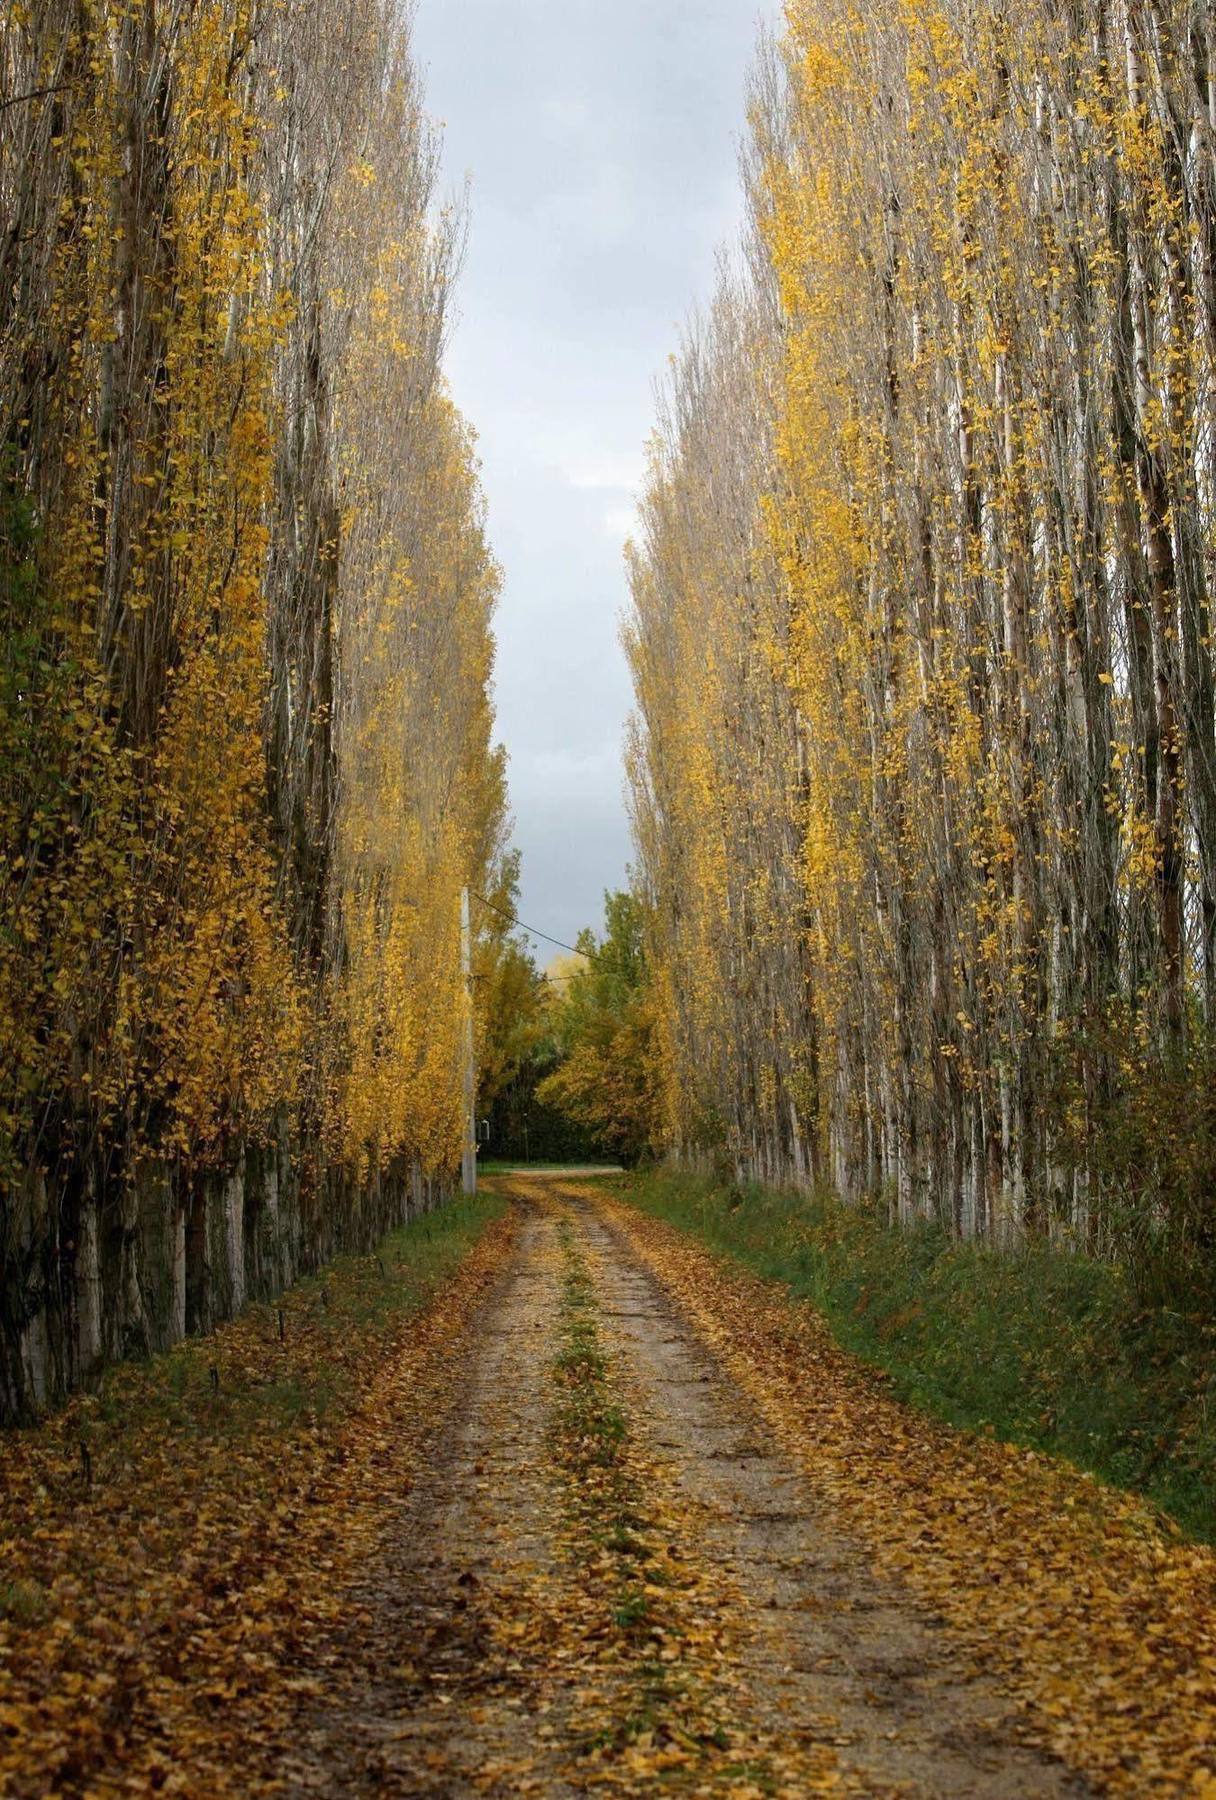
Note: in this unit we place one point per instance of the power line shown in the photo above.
(530, 929)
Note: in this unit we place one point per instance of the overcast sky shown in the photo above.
(600, 138)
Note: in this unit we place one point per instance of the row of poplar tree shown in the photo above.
(924, 770)
(245, 757)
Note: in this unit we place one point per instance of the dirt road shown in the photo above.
(612, 1579)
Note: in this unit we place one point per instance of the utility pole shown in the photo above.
(468, 1161)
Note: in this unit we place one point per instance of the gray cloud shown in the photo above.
(600, 136)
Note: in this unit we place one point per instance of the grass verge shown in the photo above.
(294, 1361)
(1038, 1346)
(170, 1545)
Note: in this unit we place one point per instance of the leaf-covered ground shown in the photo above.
(1099, 1621)
(158, 1586)
(1037, 1343)
(548, 1501)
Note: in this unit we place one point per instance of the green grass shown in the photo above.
(590, 1428)
(1037, 1346)
(296, 1360)
(23, 1603)
(590, 1440)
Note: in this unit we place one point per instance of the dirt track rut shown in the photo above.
(463, 1673)
(827, 1645)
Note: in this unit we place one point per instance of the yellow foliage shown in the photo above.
(947, 444)
(250, 776)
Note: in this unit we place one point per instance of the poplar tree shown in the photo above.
(980, 330)
(246, 763)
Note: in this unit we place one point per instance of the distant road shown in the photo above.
(556, 1172)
